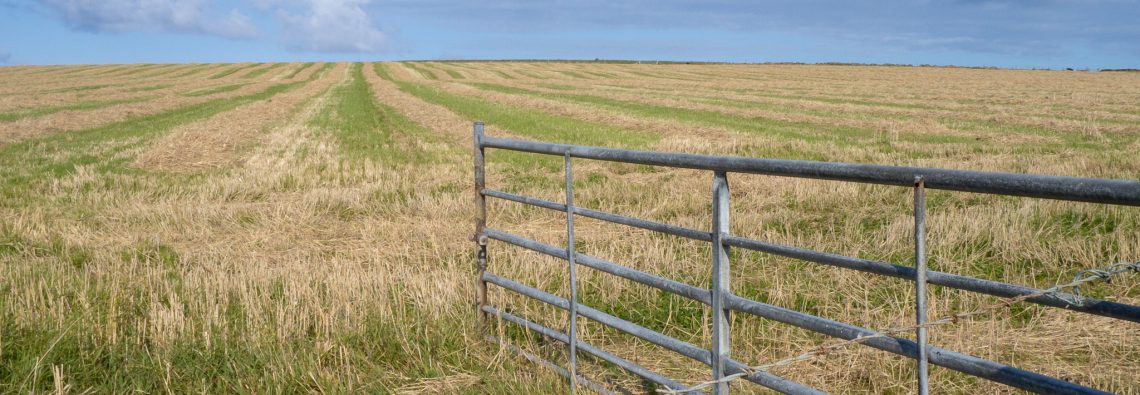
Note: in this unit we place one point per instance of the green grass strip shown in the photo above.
(422, 70)
(262, 71)
(806, 131)
(537, 124)
(194, 70)
(136, 69)
(455, 74)
(87, 105)
(229, 71)
(367, 128)
(298, 70)
(42, 159)
(573, 74)
(213, 90)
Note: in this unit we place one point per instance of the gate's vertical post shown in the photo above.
(920, 280)
(480, 223)
(572, 333)
(720, 280)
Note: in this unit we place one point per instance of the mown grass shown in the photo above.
(232, 70)
(422, 70)
(298, 70)
(358, 202)
(213, 90)
(193, 70)
(35, 162)
(526, 122)
(77, 106)
(805, 131)
(260, 72)
(105, 345)
(366, 128)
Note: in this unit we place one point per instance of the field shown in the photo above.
(304, 227)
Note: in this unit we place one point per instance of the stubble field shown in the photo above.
(304, 227)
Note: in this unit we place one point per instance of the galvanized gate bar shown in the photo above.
(681, 347)
(604, 216)
(1105, 308)
(971, 365)
(1090, 305)
(597, 352)
(524, 199)
(572, 331)
(762, 377)
(1121, 192)
(920, 283)
(664, 284)
(551, 365)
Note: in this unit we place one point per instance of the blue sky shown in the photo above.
(1045, 34)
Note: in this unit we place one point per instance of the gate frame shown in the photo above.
(719, 296)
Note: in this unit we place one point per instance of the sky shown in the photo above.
(1081, 34)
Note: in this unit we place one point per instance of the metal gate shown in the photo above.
(718, 296)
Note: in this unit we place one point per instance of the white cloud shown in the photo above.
(338, 26)
(188, 16)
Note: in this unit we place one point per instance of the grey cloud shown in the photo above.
(184, 16)
(332, 26)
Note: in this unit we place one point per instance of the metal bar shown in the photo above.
(971, 365)
(524, 199)
(550, 365)
(693, 352)
(684, 348)
(1122, 192)
(721, 332)
(604, 216)
(597, 352)
(733, 367)
(572, 332)
(479, 237)
(920, 283)
(664, 284)
(1115, 310)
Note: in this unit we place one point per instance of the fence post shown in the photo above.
(720, 280)
(572, 333)
(480, 223)
(920, 281)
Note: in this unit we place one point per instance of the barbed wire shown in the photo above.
(1083, 277)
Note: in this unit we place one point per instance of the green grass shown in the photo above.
(537, 124)
(503, 74)
(77, 106)
(298, 70)
(366, 128)
(454, 74)
(573, 74)
(232, 70)
(421, 70)
(792, 130)
(136, 69)
(262, 71)
(373, 351)
(149, 88)
(162, 70)
(36, 162)
(193, 70)
(213, 90)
